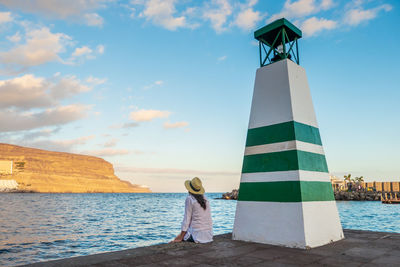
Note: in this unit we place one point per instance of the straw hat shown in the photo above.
(194, 186)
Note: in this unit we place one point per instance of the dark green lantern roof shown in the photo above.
(268, 33)
(278, 40)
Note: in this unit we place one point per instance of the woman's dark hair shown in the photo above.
(200, 199)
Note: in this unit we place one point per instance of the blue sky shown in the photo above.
(162, 89)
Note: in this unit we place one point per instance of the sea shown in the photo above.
(43, 227)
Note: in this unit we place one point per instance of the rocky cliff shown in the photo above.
(57, 172)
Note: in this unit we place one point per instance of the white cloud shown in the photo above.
(162, 12)
(5, 17)
(356, 16)
(247, 18)
(15, 38)
(186, 172)
(218, 13)
(56, 145)
(302, 8)
(93, 19)
(41, 47)
(156, 83)
(13, 120)
(68, 86)
(100, 49)
(180, 124)
(81, 51)
(111, 143)
(107, 152)
(29, 102)
(221, 58)
(32, 135)
(86, 52)
(326, 4)
(314, 25)
(129, 125)
(95, 81)
(27, 91)
(148, 115)
(78, 10)
(77, 141)
(124, 125)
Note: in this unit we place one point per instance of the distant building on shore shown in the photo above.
(339, 184)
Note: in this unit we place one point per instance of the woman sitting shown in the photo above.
(197, 223)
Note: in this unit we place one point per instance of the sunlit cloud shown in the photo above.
(73, 10)
(12, 120)
(14, 38)
(66, 145)
(154, 84)
(41, 46)
(111, 143)
(217, 13)
(248, 18)
(162, 13)
(107, 152)
(124, 125)
(302, 8)
(95, 81)
(93, 19)
(358, 15)
(126, 169)
(148, 114)
(5, 17)
(180, 124)
(314, 25)
(222, 58)
(29, 91)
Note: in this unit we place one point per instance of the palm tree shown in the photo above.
(359, 179)
(348, 180)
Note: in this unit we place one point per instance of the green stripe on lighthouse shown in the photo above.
(287, 191)
(282, 132)
(284, 161)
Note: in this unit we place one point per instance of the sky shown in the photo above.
(162, 89)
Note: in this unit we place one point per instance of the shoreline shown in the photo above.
(339, 195)
(358, 248)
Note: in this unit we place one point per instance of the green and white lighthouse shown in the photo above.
(285, 194)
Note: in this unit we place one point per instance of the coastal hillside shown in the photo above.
(57, 172)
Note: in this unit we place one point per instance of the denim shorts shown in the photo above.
(190, 239)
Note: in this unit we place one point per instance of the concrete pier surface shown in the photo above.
(359, 248)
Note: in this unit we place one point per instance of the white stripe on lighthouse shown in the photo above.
(284, 146)
(297, 175)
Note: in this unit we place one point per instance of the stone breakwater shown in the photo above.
(37, 170)
(358, 196)
(231, 195)
(339, 195)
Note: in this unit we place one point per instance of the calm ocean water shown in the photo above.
(42, 227)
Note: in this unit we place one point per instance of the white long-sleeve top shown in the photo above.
(197, 221)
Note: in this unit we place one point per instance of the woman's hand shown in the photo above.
(179, 238)
(176, 240)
